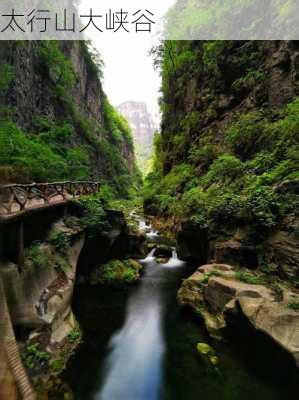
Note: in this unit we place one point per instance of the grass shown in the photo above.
(208, 275)
(250, 278)
(74, 335)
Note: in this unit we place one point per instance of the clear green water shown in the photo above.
(139, 345)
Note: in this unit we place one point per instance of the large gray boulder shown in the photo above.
(214, 290)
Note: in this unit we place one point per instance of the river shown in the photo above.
(139, 345)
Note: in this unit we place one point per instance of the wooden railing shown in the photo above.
(17, 198)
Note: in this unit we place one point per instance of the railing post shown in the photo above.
(20, 245)
(26, 196)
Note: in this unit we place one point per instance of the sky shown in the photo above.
(129, 73)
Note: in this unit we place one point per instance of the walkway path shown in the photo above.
(16, 198)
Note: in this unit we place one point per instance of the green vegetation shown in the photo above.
(214, 18)
(30, 158)
(33, 357)
(208, 275)
(74, 335)
(58, 67)
(59, 240)
(294, 305)
(72, 143)
(117, 272)
(58, 361)
(6, 77)
(250, 278)
(208, 356)
(227, 156)
(95, 218)
(235, 183)
(57, 365)
(132, 209)
(37, 256)
(117, 125)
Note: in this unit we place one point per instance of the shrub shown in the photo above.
(116, 272)
(59, 240)
(226, 168)
(95, 218)
(37, 255)
(245, 135)
(193, 201)
(261, 163)
(227, 207)
(203, 155)
(251, 79)
(211, 51)
(37, 160)
(59, 68)
(78, 163)
(59, 262)
(263, 207)
(74, 335)
(177, 179)
(57, 365)
(106, 194)
(116, 124)
(33, 357)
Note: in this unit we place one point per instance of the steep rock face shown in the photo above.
(31, 93)
(226, 155)
(217, 99)
(52, 90)
(42, 294)
(38, 306)
(143, 129)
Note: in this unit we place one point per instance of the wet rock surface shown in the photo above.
(214, 291)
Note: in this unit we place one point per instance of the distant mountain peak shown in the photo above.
(143, 127)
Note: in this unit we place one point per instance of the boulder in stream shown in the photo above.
(216, 291)
(117, 272)
(163, 251)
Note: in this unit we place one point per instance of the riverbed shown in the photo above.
(139, 345)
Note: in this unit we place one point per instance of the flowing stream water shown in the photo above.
(139, 345)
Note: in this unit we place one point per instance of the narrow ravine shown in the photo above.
(139, 345)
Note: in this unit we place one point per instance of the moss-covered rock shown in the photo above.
(242, 295)
(117, 272)
(207, 354)
(163, 251)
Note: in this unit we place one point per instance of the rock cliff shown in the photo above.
(226, 160)
(53, 109)
(143, 129)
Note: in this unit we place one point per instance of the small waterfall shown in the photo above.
(150, 255)
(147, 228)
(174, 254)
(152, 234)
(174, 261)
